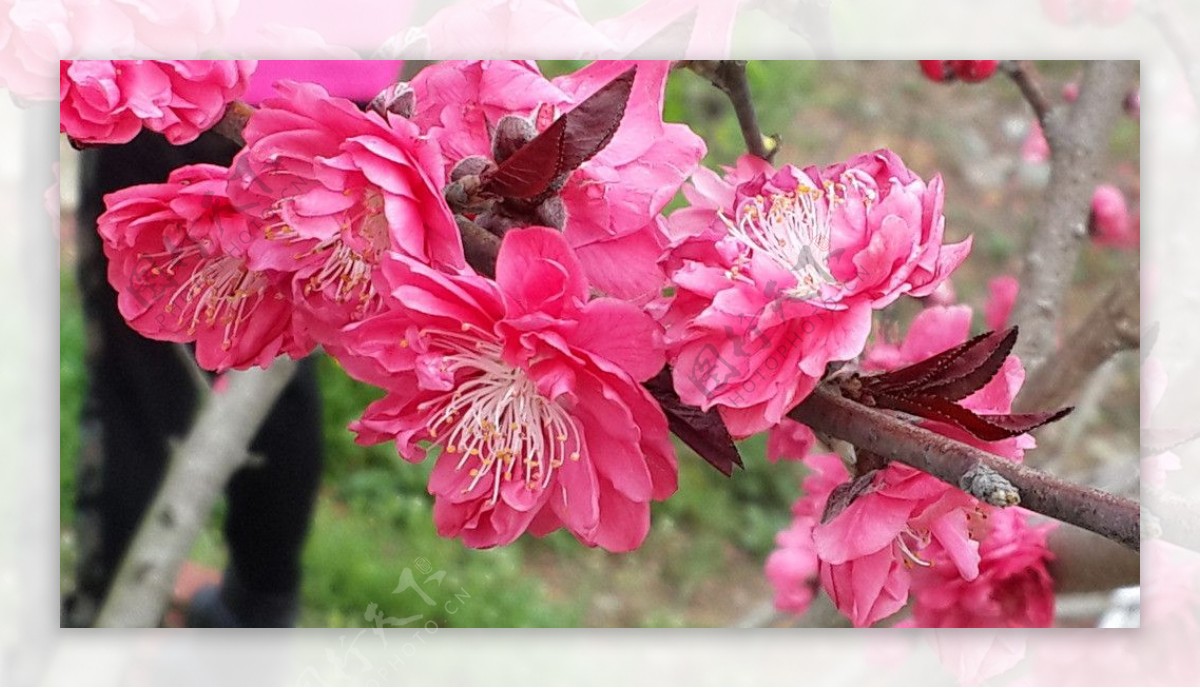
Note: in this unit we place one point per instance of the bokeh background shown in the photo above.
(702, 563)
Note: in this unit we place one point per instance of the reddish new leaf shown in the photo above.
(953, 374)
(986, 428)
(704, 432)
(532, 171)
(974, 368)
(529, 171)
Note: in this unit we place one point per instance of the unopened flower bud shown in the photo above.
(472, 165)
(552, 213)
(397, 99)
(511, 133)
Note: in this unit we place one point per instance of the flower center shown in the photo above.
(350, 256)
(790, 229)
(220, 290)
(496, 420)
(908, 542)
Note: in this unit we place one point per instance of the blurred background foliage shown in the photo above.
(702, 563)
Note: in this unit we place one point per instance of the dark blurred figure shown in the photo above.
(141, 396)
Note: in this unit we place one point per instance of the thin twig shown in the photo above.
(199, 380)
(214, 449)
(1077, 146)
(730, 77)
(827, 410)
(1025, 76)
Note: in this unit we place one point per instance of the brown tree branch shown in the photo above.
(1025, 76)
(730, 77)
(1077, 146)
(214, 449)
(1110, 327)
(826, 410)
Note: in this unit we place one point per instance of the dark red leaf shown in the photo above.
(922, 372)
(986, 428)
(529, 171)
(703, 431)
(571, 140)
(973, 369)
(592, 124)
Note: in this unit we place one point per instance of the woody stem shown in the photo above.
(827, 411)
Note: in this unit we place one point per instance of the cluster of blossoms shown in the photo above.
(343, 228)
(110, 101)
(905, 534)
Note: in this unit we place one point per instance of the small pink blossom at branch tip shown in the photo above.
(776, 273)
(1111, 223)
(110, 101)
(1070, 91)
(530, 390)
(1035, 149)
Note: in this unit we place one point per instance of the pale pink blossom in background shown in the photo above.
(777, 276)
(551, 28)
(177, 260)
(1035, 149)
(36, 34)
(613, 201)
(530, 390)
(1002, 296)
(331, 189)
(792, 568)
(789, 441)
(1111, 223)
(973, 658)
(109, 101)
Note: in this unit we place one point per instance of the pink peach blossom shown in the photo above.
(613, 201)
(109, 101)
(905, 519)
(1035, 148)
(778, 276)
(1002, 296)
(789, 441)
(1111, 223)
(178, 263)
(792, 568)
(331, 189)
(530, 390)
(1013, 589)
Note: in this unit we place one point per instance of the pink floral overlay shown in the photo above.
(110, 101)
(544, 381)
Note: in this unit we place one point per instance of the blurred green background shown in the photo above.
(702, 563)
